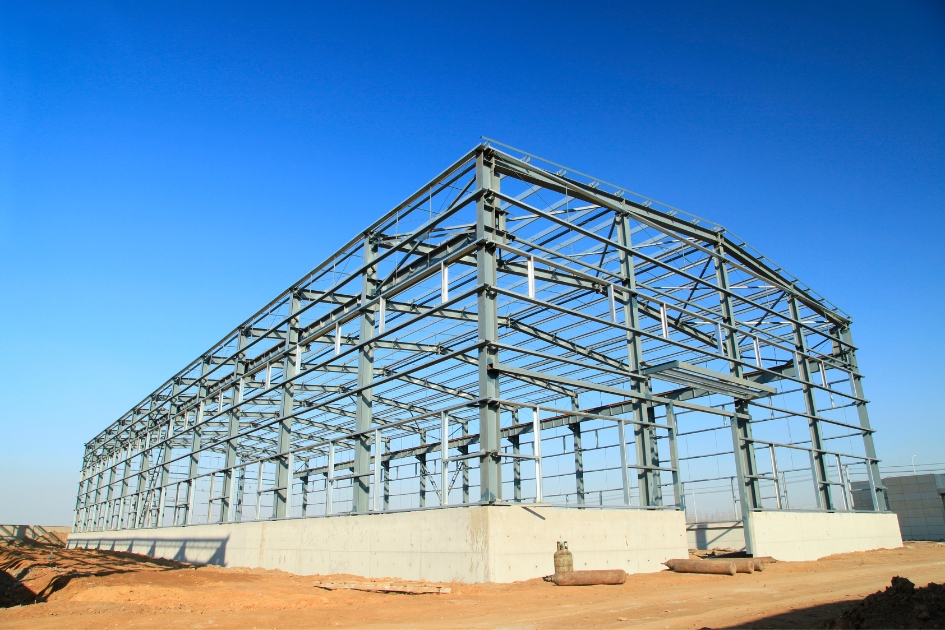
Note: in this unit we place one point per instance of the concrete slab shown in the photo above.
(813, 535)
(474, 544)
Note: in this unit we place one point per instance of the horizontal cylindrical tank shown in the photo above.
(589, 578)
(742, 565)
(718, 567)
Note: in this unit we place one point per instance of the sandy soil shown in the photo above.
(131, 592)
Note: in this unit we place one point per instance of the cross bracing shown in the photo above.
(653, 352)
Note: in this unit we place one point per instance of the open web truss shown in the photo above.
(663, 362)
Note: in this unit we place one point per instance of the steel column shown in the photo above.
(283, 483)
(361, 485)
(575, 427)
(196, 434)
(233, 426)
(819, 471)
(166, 453)
(856, 384)
(648, 484)
(749, 495)
(487, 227)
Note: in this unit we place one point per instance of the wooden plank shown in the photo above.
(384, 587)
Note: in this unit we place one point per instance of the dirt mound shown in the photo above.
(31, 571)
(901, 605)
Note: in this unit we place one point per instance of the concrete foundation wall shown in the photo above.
(475, 544)
(813, 535)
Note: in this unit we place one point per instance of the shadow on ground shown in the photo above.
(813, 617)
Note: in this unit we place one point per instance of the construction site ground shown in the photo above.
(95, 589)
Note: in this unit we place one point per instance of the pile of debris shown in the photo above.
(901, 605)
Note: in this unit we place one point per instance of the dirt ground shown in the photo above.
(88, 589)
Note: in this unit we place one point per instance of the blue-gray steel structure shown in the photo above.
(656, 355)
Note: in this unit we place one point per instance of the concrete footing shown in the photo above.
(493, 543)
(471, 544)
(813, 535)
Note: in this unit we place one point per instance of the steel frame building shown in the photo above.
(515, 331)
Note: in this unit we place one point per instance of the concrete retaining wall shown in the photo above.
(475, 544)
(919, 501)
(46, 534)
(812, 535)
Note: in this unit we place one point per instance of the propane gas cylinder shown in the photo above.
(564, 561)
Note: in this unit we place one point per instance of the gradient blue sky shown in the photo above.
(167, 169)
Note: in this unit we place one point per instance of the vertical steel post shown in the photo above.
(303, 481)
(110, 490)
(774, 474)
(422, 465)
(166, 453)
(444, 459)
(843, 483)
(233, 426)
(330, 478)
(195, 443)
(536, 451)
(464, 450)
(487, 233)
(648, 484)
(118, 518)
(194, 467)
(143, 471)
(213, 479)
(385, 464)
(746, 470)
(679, 494)
(92, 492)
(125, 479)
(283, 481)
(856, 384)
(99, 475)
(821, 477)
(361, 485)
(259, 479)
(624, 471)
(516, 441)
(575, 427)
(238, 501)
(784, 490)
(531, 277)
(378, 469)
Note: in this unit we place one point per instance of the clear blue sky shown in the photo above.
(167, 169)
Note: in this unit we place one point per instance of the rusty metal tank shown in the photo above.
(564, 561)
